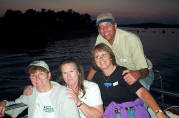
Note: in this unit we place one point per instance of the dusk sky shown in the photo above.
(125, 11)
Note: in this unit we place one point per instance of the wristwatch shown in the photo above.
(158, 111)
(80, 104)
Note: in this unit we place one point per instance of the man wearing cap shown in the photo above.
(48, 100)
(128, 51)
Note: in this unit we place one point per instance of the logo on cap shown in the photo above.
(102, 15)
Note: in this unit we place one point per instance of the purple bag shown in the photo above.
(139, 109)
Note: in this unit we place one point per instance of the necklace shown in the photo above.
(107, 83)
(106, 75)
(106, 78)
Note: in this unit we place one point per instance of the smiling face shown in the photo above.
(70, 74)
(107, 31)
(102, 59)
(40, 79)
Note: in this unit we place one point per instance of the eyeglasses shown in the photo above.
(40, 75)
(104, 55)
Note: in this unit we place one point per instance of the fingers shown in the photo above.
(129, 77)
(72, 95)
(128, 80)
(126, 75)
(70, 92)
(2, 109)
(125, 72)
(28, 90)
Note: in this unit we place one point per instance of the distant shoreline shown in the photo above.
(150, 25)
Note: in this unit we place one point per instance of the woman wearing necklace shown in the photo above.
(120, 99)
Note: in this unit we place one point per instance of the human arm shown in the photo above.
(28, 90)
(92, 108)
(150, 101)
(131, 76)
(13, 108)
(2, 108)
(91, 73)
(140, 65)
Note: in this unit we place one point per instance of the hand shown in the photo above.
(28, 90)
(130, 76)
(2, 108)
(161, 115)
(73, 96)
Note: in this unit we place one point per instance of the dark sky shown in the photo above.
(126, 11)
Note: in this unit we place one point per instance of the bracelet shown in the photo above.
(80, 104)
(158, 111)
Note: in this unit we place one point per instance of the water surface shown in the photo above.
(161, 45)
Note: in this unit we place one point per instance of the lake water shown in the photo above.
(161, 45)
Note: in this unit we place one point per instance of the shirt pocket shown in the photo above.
(127, 61)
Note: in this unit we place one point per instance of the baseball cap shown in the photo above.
(39, 63)
(104, 17)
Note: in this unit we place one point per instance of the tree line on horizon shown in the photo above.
(61, 19)
(21, 30)
(47, 18)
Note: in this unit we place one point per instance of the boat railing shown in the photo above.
(162, 91)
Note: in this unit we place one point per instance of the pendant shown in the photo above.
(106, 84)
